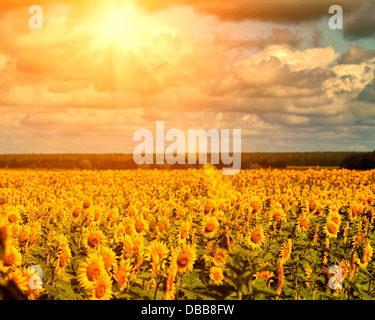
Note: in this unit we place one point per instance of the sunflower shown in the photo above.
(255, 238)
(21, 235)
(140, 226)
(93, 239)
(184, 258)
(156, 252)
(209, 227)
(308, 273)
(303, 224)
(127, 246)
(216, 275)
(220, 257)
(355, 209)
(366, 256)
(102, 288)
(280, 278)
(63, 256)
(35, 231)
(331, 229)
(109, 258)
(312, 205)
(256, 205)
(90, 270)
(265, 274)
(137, 246)
(170, 285)
(334, 217)
(285, 251)
(183, 231)
(12, 258)
(277, 212)
(4, 236)
(119, 232)
(122, 274)
(13, 214)
(19, 279)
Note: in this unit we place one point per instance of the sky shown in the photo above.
(100, 70)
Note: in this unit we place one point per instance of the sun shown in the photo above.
(121, 24)
(127, 25)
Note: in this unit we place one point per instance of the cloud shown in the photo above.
(356, 54)
(360, 23)
(266, 10)
(64, 89)
(368, 93)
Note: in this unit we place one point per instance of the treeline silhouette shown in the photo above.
(361, 161)
(120, 161)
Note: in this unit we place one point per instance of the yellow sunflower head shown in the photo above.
(220, 257)
(122, 274)
(109, 258)
(184, 258)
(285, 251)
(90, 270)
(255, 238)
(331, 229)
(13, 214)
(102, 288)
(63, 257)
(12, 258)
(334, 217)
(209, 227)
(277, 212)
(93, 239)
(303, 223)
(216, 275)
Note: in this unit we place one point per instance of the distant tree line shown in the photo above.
(119, 161)
(360, 161)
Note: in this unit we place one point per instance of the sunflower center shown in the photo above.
(100, 290)
(209, 227)
(277, 215)
(255, 206)
(22, 238)
(93, 272)
(256, 236)
(63, 258)
(139, 226)
(12, 218)
(121, 278)
(370, 200)
(304, 223)
(183, 233)
(162, 226)
(312, 205)
(9, 260)
(183, 260)
(355, 211)
(335, 220)
(93, 240)
(332, 228)
(216, 276)
(76, 212)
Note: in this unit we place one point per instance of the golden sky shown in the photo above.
(100, 70)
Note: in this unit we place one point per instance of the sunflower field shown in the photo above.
(188, 234)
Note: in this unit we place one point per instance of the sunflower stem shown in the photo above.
(156, 289)
(239, 294)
